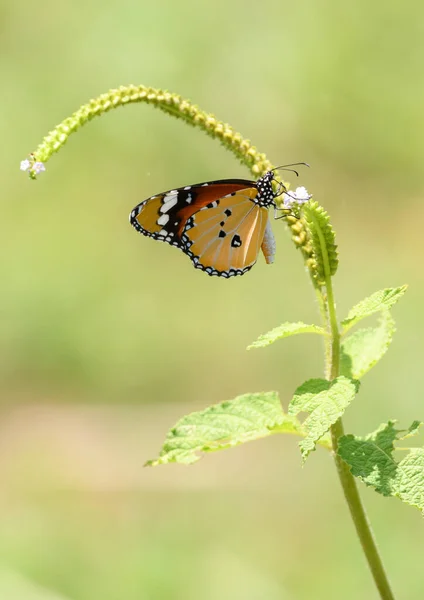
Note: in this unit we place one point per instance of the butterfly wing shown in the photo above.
(224, 237)
(164, 217)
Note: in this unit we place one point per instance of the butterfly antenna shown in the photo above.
(285, 167)
(291, 170)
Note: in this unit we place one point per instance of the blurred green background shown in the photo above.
(107, 338)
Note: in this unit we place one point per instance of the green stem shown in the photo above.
(350, 489)
(360, 520)
(322, 306)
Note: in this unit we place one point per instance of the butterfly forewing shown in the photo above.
(163, 217)
(224, 237)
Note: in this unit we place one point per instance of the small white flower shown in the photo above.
(299, 196)
(25, 165)
(287, 200)
(38, 167)
(302, 195)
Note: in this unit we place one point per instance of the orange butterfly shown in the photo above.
(220, 225)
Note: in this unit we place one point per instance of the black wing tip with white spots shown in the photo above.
(156, 236)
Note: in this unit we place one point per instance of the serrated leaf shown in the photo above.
(381, 300)
(409, 484)
(325, 401)
(364, 348)
(322, 239)
(371, 459)
(283, 331)
(246, 418)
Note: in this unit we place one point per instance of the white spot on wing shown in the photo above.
(169, 201)
(163, 220)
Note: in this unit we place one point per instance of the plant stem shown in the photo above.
(347, 480)
(360, 520)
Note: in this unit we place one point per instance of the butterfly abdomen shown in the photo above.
(268, 246)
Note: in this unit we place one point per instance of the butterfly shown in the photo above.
(221, 225)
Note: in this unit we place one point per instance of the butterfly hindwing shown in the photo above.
(224, 237)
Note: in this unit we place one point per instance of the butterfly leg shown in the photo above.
(288, 214)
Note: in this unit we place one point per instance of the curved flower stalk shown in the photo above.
(180, 108)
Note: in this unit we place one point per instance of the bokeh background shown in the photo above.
(107, 338)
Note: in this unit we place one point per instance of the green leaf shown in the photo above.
(246, 418)
(285, 330)
(322, 240)
(365, 347)
(325, 401)
(371, 459)
(381, 300)
(409, 484)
